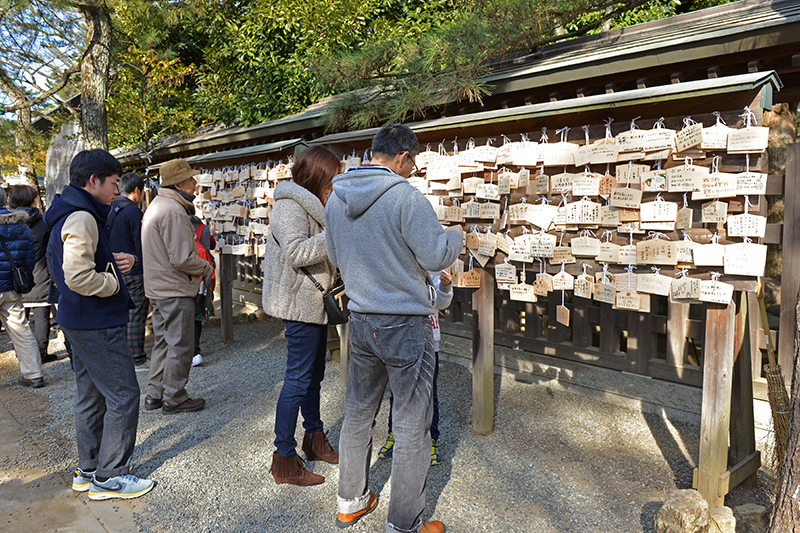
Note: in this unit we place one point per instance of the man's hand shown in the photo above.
(445, 278)
(125, 262)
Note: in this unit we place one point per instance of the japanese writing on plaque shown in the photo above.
(657, 252)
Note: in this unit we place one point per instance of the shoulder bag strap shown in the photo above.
(5, 247)
(314, 281)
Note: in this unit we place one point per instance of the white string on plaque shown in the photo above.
(654, 283)
(690, 136)
(709, 254)
(628, 298)
(750, 140)
(684, 287)
(715, 291)
(657, 251)
(745, 259)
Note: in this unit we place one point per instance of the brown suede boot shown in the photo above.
(317, 448)
(291, 470)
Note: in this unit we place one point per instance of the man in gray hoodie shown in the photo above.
(384, 236)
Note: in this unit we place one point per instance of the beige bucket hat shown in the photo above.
(176, 171)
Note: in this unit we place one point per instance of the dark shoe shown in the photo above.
(49, 358)
(151, 403)
(34, 383)
(317, 448)
(291, 470)
(346, 520)
(186, 407)
(432, 527)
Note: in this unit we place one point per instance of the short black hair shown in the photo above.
(88, 163)
(393, 139)
(129, 182)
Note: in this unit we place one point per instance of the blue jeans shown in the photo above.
(397, 350)
(435, 419)
(305, 369)
(106, 399)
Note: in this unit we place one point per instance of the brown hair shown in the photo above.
(21, 196)
(314, 169)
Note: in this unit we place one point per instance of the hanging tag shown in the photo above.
(745, 259)
(751, 183)
(630, 174)
(684, 220)
(631, 141)
(561, 183)
(562, 315)
(454, 214)
(607, 184)
(490, 210)
(752, 140)
(541, 215)
(586, 184)
(685, 250)
(654, 283)
(714, 212)
(610, 253)
(628, 300)
(626, 197)
(583, 286)
(715, 291)
(487, 191)
(685, 178)
(583, 211)
(716, 185)
(685, 289)
(747, 225)
(609, 216)
(521, 250)
(654, 181)
(522, 292)
(603, 153)
(562, 255)
(542, 244)
(690, 136)
(585, 246)
(563, 281)
(470, 185)
(504, 183)
(658, 211)
(506, 272)
(488, 244)
(540, 287)
(604, 292)
(546, 279)
(708, 254)
(472, 209)
(656, 252)
(471, 279)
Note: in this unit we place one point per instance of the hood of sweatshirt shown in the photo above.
(361, 187)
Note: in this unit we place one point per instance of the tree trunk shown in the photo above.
(23, 132)
(94, 75)
(786, 513)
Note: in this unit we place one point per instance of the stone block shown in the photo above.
(684, 511)
(721, 520)
(751, 518)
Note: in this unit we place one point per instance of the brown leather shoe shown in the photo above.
(34, 383)
(348, 519)
(317, 448)
(432, 527)
(152, 403)
(290, 470)
(185, 407)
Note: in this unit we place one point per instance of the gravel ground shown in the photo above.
(557, 462)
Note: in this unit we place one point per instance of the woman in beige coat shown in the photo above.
(296, 240)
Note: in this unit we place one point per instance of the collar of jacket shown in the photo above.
(12, 217)
(289, 190)
(83, 199)
(184, 199)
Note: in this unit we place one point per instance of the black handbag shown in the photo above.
(334, 300)
(21, 276)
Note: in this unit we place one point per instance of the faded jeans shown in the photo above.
(397, 349)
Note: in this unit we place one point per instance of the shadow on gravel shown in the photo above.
(674, 443)
(648, 517)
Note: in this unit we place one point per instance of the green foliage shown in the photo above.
(149, 99)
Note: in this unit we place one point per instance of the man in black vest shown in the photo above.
(125, 234)
(93, 313)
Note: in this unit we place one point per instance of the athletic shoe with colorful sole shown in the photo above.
(124, 487)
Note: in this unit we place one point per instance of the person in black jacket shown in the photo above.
(17, 238)
(125, 235)
(24, 198)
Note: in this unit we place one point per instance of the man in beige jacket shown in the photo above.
(172, 275)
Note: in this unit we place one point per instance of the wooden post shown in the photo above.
(483, 356)
(790, 279)
(677, 319)
(226, 297)
(716, 408)
(581, 329)
(640, 342)
(743, 433)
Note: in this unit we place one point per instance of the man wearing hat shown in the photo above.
(172, 275)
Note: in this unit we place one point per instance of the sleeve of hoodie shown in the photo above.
(433, 247)
(289, 223)
(79, 235)
(179, 243)
(444, 294)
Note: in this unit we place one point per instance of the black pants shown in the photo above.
(198, 330)
(39, 318)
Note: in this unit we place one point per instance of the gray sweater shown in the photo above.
(298, 223)
(384, 236)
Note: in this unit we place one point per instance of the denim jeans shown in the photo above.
(399, 350)
(305, 369)
(435, 419)
(106, 399)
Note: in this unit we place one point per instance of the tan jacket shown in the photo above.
(79, 234)
(172, 267)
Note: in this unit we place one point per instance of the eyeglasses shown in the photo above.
(413, 163)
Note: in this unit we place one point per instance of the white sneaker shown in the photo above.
(197, 360)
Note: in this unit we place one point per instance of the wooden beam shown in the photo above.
(742, 433)
(790, 278)
(716, 406)
(226, 297)
(754, 66)
(713, 72)
(747, 468)
(677, 323)
(483, 356)
(677, 77)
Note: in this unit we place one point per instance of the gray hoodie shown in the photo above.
(384, 236)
